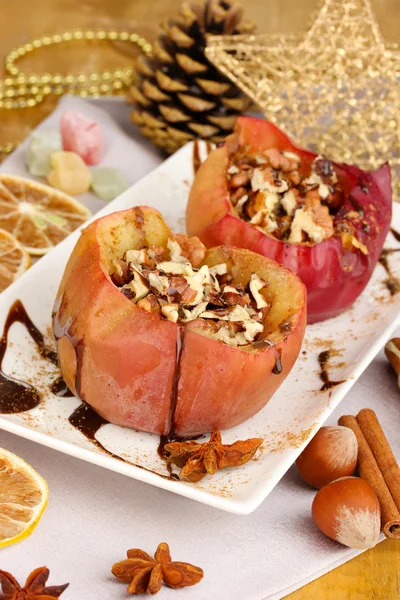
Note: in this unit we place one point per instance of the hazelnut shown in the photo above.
(347, 510)
(332, 453)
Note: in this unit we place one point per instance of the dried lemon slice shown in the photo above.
(14, 260)
(37, 215)
(23, 498)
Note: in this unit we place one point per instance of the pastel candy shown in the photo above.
(42, 144)
(108, 183)
(69, 174)
(83, 136)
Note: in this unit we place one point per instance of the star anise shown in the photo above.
(196, 460)
(146, 575)
(34, 588)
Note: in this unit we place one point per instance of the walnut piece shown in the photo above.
(166, 283)
(269, 192)
(191, 248)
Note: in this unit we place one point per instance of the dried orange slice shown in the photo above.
(23, 498)
(14, 259)
(37, 215)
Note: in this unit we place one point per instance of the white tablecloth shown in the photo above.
(95, 515)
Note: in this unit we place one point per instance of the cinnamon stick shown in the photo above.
(368, 470)
(381, 450)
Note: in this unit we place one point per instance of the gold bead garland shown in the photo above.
(24, 90)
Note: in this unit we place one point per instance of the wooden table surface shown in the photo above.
(374, 574)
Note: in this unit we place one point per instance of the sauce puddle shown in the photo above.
(15, 395)
(59, 388)
(88, 422)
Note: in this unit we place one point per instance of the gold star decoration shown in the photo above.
(335, 89)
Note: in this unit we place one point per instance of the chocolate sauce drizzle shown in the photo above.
(392, 282)
(19, 396)
(59, 388)
(278, 368)
(196, 154)
(15, 395)
(88, 422)
(85, 419)
(175, 383)
(323, 359)
(165, 439)
(395, 233)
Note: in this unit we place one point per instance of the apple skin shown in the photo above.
(334, 276)
(146, 373)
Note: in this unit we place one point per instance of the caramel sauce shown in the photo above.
(323, 359)
(15, 395)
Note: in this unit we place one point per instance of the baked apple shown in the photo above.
(159, 334)
(325, 221)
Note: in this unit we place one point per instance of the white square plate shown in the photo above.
(287, 422)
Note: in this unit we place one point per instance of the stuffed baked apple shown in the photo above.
(159, 334)
(325, 221)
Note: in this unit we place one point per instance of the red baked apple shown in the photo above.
(325, 221)
(160, 335)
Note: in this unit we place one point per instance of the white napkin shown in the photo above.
(95, 515)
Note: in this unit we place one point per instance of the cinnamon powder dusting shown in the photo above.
(280, 441)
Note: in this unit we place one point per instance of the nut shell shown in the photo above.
(348, 511)
(331, 454)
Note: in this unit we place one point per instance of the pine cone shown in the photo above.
(180, 94)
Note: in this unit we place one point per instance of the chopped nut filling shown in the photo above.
(269, 192)
(169, 282)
